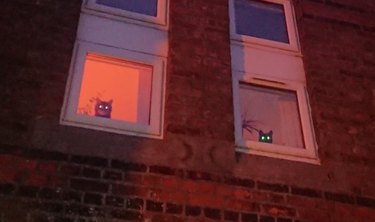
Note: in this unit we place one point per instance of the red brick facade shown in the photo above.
(50, 172)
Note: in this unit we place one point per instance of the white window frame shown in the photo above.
(69, 114)
(308, 153)
(293, 44)
(288, 74)
(160, 19)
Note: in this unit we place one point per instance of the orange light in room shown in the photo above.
(127, 84)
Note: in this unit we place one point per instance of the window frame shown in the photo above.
(161, 18)
(69, 115)
(309, 154)
(293, 44)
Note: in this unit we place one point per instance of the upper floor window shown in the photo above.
(262, 22)
(147, 7)
(149, 11)
(272, 115)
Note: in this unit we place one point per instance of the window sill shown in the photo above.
(284, 156)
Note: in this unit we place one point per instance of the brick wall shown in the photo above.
(51, 186)
(50, 172)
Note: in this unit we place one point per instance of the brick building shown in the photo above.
(189, 158)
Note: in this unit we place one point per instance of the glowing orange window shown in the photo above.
(115, 89)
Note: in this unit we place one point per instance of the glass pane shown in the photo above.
(261, 19)
(115, 89)
(147, 7)
(270, 115)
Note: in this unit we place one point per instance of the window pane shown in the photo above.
(270, 115)
(115, 89)
(261, 19)
(147, 7)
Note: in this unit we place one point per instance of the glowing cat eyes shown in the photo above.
(263, 137)
(105, 107)
(268, 137)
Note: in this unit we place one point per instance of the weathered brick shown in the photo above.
(47, 167)
(129, 190)
(92, 161)
(231, 216)
(193, 211)
(49, 193)
(126, 215)
(306, 192)
(112, 175)
(71, 196)
(114, 201)
(135, 203)
(194, 175)
(92, 198)
(173, 208)
(343, 198)
(91, 173)
(284, 220)
(89, 185)
(70, 170)
(273, 187)
(6, 188)
(154, 206)
(212, 213)
(266, 219)
(367, 202)
(162, 170)
(249, 217)
(239, 182)
(63, 219)
(117, 164)
(27, 191)
(278, 210)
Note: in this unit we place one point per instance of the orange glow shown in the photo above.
(127, 84)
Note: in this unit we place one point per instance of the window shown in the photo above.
(117, 75)
(264, 22)
(149, 11)
(272, 115)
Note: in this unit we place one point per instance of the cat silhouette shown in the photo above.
(103, 108)
(265, 137)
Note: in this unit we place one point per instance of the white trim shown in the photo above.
(308, 153)
(161, 19)
(69, 114)
(249, 40)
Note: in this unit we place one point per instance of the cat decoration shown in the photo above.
(265, 137)
(248, 125)
(103, 108)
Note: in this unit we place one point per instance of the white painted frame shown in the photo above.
(69, 114)
(161, 18)
(308, 154)
(290, 23)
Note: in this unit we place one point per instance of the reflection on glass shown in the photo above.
(147, 7)
(270, 115)
(261, 19)
(115, 89)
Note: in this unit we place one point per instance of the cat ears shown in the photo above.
(99, 100)
(270, 132)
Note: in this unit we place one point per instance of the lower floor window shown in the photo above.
(273, 118)
(270, 115)
(115, 90)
